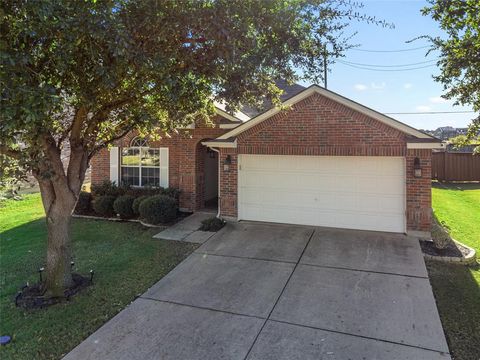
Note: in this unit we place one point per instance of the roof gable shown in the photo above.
(337, 98)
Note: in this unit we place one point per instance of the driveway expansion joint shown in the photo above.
(280, 295)
(356, 335)
(201, 307)
(367, 271)
(244, 257)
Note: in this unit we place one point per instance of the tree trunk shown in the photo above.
(58, 271)
(58, 210)
(60, 191)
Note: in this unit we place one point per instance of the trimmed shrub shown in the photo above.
(212, 224)
(159, 209)
(152, 191)
(108, 187)
(123, 206)
(145, 191)
(172, 192)
(137, 202)
(84, 203)
(103, 205)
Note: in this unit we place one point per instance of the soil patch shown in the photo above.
(33, 297)
(452, 250)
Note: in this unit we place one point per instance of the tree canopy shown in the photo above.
(116, 65)
(459, 52)
(82, 74)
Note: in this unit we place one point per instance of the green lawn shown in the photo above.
(456, 287)
(124, 256)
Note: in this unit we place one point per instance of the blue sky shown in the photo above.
(392, 91)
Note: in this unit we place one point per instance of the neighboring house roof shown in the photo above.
(247, 112)
(236, 117)
(289, 90)
(418, 137)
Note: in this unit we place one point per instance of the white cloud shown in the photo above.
(423, 108)
(437, 100)
(379, 86)
(372, 86)
(407, 86)
(360, 87)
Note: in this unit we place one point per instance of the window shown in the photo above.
(140, 164)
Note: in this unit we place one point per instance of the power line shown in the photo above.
(429, 112)
(399, 65)
(372, 69)
(390, 51)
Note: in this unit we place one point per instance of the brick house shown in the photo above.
(325, 161)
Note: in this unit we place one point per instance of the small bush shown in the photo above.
(123, 206)
(440, 236)
(172, 192)
(84, 203)
(136, 204)
(106, 188)
(212, 224)
(103, 205)
(159, 209)
(152, 191)
(145, 191)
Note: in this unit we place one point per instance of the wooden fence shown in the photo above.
(455, 166)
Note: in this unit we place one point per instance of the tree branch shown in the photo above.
(14, 154)
(109, 141)
(78, 121)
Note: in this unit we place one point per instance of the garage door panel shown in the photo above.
(349, 192)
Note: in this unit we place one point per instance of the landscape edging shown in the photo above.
(469, 259)
(118, 220)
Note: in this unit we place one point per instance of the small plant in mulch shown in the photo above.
(34, 296)
(442, 244)
(440, 236)
(212, 224)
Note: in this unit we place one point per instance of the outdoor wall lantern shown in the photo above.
(417, 169)
(227, 163)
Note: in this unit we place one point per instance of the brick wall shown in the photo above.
(185, 158)
(228, 184)
(100, 166)
(320, 126)
(419, 192)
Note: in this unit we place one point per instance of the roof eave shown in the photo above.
(216, 143)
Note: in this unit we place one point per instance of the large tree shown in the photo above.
(459, 53)
(82, 74)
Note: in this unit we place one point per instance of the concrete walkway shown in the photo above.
(187, 229)
(262, 291)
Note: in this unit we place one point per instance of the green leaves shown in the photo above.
(151, 65)
(459, 52)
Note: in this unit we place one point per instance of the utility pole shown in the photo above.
(325, 66)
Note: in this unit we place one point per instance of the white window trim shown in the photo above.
(140, 166)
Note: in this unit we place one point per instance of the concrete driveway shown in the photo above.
(263, 291)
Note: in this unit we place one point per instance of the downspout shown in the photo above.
(219, 172)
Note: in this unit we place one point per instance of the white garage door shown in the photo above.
(352, 192)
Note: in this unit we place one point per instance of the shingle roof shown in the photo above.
(288, 92)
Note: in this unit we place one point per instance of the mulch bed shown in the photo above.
(33, 297)
(180, 216)
(452, 250)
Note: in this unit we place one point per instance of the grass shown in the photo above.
(456, 287)
(124, 256)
